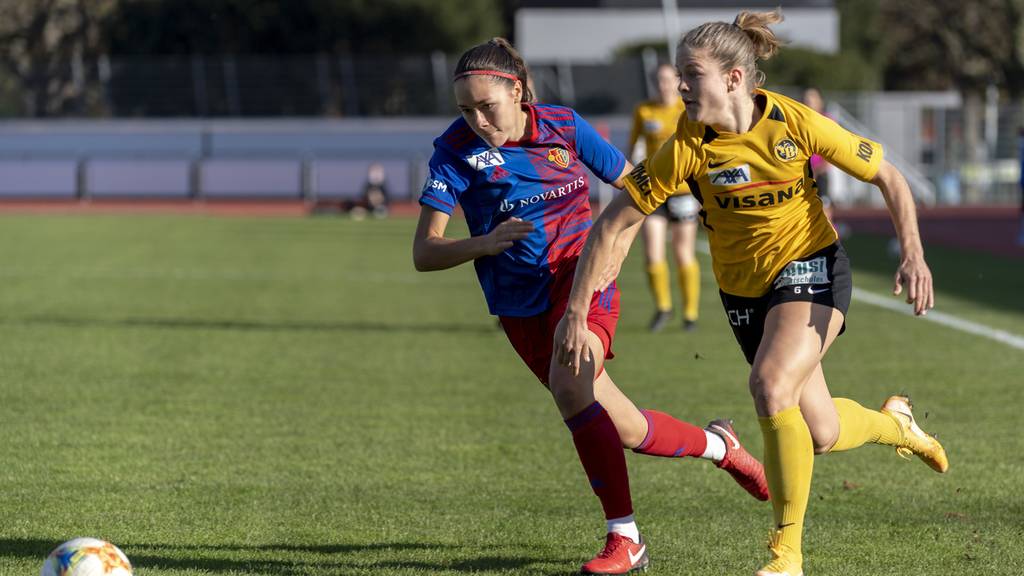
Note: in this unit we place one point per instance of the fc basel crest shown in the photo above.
(559, 156)
(785, 150)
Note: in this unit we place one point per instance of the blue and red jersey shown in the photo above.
(541, 179)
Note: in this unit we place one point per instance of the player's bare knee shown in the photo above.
(630, 436)
(771, 393)
(570, 394)
(824, 440)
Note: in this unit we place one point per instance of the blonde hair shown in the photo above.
(740, 44)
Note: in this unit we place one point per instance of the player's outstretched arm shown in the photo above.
(620, 216)
(913, 271)
(431, 250)
(618, 256)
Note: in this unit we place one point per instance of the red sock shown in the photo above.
(600, 450)
(671, 438)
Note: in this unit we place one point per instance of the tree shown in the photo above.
(951, 44)
(300, 26)
(44, 45)
(942, 44)
(357, 56)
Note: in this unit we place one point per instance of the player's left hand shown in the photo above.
(570, 342)
(914, 273)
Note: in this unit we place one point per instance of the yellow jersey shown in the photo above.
(760, 204)
(655, 123)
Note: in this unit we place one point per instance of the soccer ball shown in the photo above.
(86, 557)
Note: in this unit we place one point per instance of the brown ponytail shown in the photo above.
(496, 55)
(740, 44)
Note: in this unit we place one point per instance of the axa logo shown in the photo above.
(730, 176)
(486, 159)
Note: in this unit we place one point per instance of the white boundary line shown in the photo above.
(948, 320)
(1008, 338)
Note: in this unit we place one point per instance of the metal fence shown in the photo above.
(307, 85)
(927, 131)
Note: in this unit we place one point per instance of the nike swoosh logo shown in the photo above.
(813, 291)
(639, 555)
(781, 526)
(717, 164)
(725, 434)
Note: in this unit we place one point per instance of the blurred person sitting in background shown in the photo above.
(374, 200)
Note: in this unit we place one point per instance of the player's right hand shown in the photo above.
(915, 274)
(505, 234)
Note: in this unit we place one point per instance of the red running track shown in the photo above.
(991, 229)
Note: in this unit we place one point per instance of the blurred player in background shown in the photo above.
(1020, 152)
(518, 170)
(784, 277)
(820, 167)
(655, 122)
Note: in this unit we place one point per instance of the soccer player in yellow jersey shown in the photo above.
(655, 122)
(784, 277)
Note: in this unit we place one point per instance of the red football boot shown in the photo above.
(740, 464)
(620, 556)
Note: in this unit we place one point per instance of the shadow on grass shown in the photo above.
(334, 558)
(26, 548)
(252, 325)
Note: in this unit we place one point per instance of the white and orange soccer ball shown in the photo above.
(86, 557)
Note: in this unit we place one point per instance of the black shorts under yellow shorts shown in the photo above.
(823, 278)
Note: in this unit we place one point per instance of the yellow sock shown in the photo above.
(859, 425)
(657, 276)
(689, 283)
(788, 465)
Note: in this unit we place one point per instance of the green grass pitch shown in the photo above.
(289, 397)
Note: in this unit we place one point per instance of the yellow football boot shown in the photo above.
(785, 561)
(915, 440)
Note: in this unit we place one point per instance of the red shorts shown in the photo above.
(533, 337)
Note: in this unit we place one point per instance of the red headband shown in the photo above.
(511, 77)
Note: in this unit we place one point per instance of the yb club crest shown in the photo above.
(785, 150)
(559, 156)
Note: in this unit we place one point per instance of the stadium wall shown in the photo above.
(312, 159)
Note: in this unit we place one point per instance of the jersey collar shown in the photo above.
(531, 124)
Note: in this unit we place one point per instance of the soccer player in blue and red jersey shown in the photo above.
(518, 170)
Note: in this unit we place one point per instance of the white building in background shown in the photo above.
(591, 31)
(563, 34)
